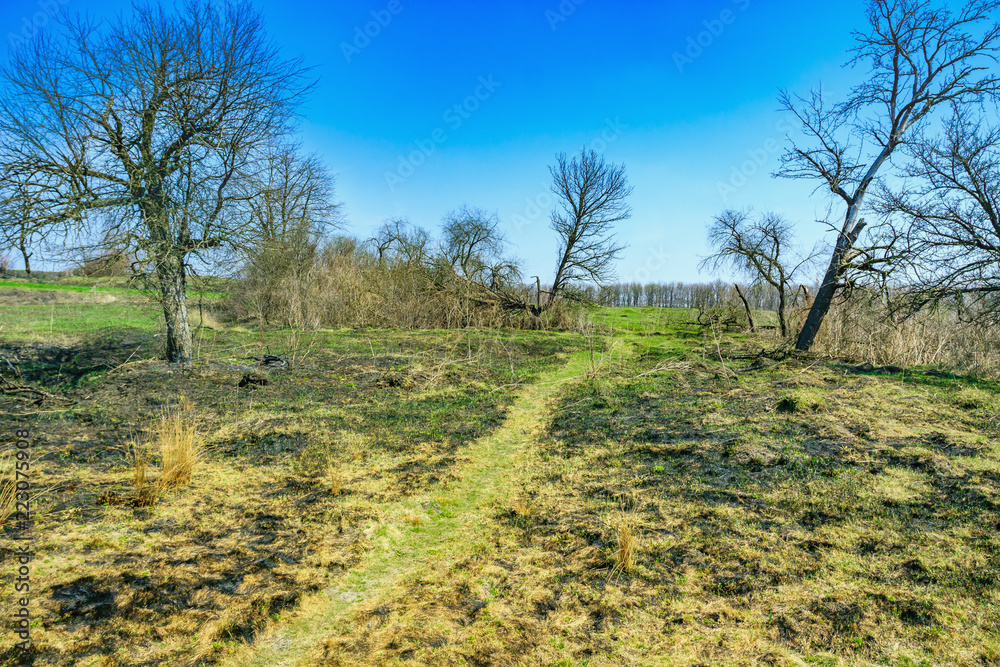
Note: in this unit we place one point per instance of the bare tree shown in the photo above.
(24, 217)
(471, 239)
(291, 195)
(146, 126)
(592, 198)
(920, 55)
(949, 217)
(760, 249)
(402, 241)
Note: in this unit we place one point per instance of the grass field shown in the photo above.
(641, 491)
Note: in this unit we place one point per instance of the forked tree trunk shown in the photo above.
(173, 294)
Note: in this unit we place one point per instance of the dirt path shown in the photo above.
(459, 515)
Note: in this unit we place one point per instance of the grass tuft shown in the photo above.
(625, 552)
(180, 448)
(7, 488)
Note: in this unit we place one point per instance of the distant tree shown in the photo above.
(147, 126)
(759, 248)
(918, 55)
(24, 216)
(289, 202)
(592, 198)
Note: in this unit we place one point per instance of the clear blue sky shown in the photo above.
(554, 77)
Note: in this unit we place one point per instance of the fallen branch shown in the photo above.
(8, 388)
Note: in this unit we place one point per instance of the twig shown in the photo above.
(779, 382)
(127, 360)
(666, 367)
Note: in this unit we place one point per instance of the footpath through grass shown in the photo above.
(418, 534)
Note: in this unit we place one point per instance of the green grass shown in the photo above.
(34, 322)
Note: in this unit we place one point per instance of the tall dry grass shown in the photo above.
(180, 446)
(8, 488)
(862, 329)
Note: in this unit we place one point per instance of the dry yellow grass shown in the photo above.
(624, 557)
(180, 447)
(7, 488)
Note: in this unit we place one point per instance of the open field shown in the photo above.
(642, 491)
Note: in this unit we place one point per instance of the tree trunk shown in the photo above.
(170, 271)
(782, 323)
(831, 281)
(746, 305)
(27, 258)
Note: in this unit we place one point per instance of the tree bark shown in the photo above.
(746, 305)
(782, 322)
(27, 258)
(831, 281)
(171, 274)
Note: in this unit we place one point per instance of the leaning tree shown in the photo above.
(142, 130)
(919, 55)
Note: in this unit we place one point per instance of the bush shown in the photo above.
(343, 284)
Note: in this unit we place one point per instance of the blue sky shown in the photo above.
(683, 93)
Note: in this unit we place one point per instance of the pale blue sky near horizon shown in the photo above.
(422, 106)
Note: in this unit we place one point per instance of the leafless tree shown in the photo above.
(471, 239)
(920, 55)
(592, 198)
(24, 218)
(148, 124)
(949, 218)
(290, 205)
(400, 240)
(761, 249)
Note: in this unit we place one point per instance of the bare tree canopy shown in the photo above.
(919, 54)
(399, 240)
(25, 218)
(471, 239)
(949, 217)
(759, 248)
(146, 126)
(592, 198)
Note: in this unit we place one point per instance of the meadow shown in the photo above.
(641, 490)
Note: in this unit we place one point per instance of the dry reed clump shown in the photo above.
(180, 446)
(627, 545)
(144, 491)
(862, 330)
